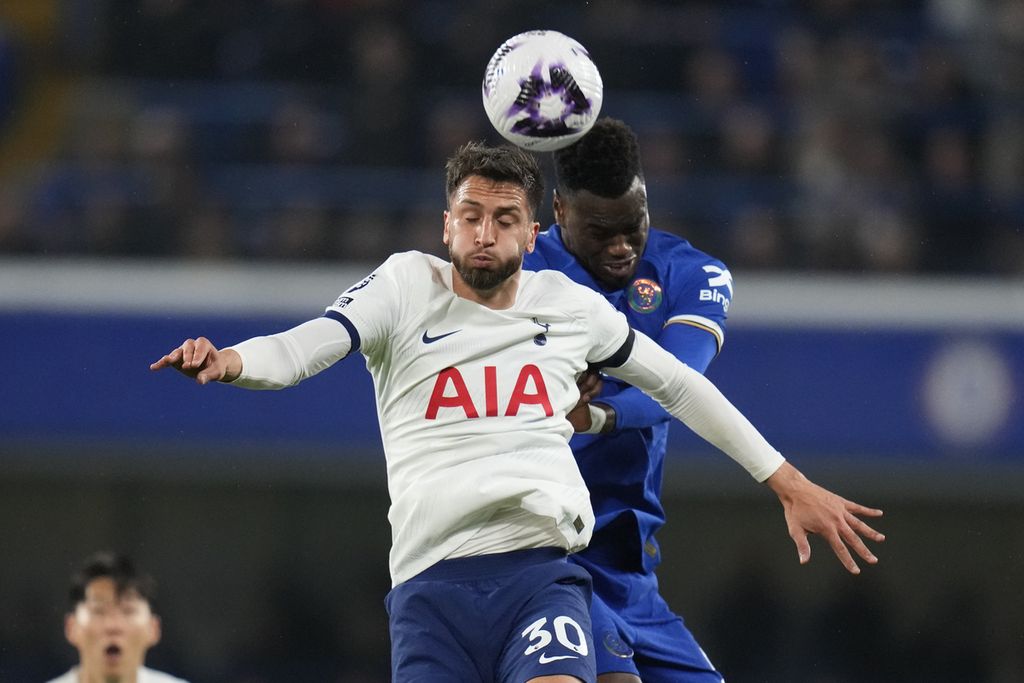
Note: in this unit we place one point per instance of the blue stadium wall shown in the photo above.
(853, 370)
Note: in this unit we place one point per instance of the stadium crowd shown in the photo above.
(781, 135)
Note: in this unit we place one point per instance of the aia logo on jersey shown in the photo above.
(719, 277)
(644, 295)
(451, 391)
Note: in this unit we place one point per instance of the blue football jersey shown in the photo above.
(679, 297)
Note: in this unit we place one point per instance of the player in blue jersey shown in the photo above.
(679, 296)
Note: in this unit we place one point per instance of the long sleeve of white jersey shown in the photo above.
(695, 401)
(281, 360)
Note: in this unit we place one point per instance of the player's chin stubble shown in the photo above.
(483, 279)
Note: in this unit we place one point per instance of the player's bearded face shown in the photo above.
(488, 229)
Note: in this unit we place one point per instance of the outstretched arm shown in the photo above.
(694, 400)
(272, 362)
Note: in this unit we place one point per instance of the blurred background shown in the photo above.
(170, 168)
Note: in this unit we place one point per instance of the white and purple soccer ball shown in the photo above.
(542, 91)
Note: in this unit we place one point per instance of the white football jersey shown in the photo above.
(145, 676)
(472, 404)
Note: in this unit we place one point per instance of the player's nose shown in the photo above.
(486, 232)
(619, 247)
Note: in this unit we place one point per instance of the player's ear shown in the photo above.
(155, 630)
(446, 237)
(71, 628)
(531, 240)
(556, 203)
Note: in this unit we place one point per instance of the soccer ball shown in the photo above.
(542, 91)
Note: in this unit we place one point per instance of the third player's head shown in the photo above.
(110, 619)
(600, 202)
(493, 197)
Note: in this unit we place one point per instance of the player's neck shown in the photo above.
(98, 677)
(498, 298)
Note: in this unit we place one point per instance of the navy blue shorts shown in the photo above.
(503, 618)
(637, 633)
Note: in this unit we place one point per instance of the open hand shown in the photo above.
(811, 509)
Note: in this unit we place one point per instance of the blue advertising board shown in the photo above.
(78, 373)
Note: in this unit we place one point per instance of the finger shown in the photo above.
(843, 553)
(168, 360)
(863, 529)
(208, 375)
(858, 509)
(201, 352)
(188, 349)
(854, 541)
(589, 383)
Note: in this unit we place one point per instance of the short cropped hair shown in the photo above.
(604, 161)
(118, 568)
(504, 164)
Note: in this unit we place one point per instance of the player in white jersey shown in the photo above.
(475, 365)
(143, 675)
(111, 623)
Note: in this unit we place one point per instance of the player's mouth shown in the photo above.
(112, 653)
(481, 260)
(619, 268)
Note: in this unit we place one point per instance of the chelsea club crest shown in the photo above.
(616, 646)
(644, 295)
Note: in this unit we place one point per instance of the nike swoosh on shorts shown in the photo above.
(544, 659)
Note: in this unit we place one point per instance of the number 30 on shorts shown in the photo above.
(567, 632)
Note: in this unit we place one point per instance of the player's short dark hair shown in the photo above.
(604, 161)
(502, 164)
(120, 569)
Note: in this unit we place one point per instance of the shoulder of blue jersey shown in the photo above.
(669, 252)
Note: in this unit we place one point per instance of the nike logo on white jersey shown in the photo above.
(544, 659)
(427, 339)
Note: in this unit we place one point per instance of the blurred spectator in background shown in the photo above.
(876, 136)
(112, 623)
(8, 75)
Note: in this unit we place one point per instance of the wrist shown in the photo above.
(602, 418)
(784, 480)
(232, 365)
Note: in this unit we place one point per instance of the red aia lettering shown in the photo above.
(461, 398)
(521, 395)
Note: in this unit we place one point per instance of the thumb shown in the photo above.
(208, 375)
(803, 548)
